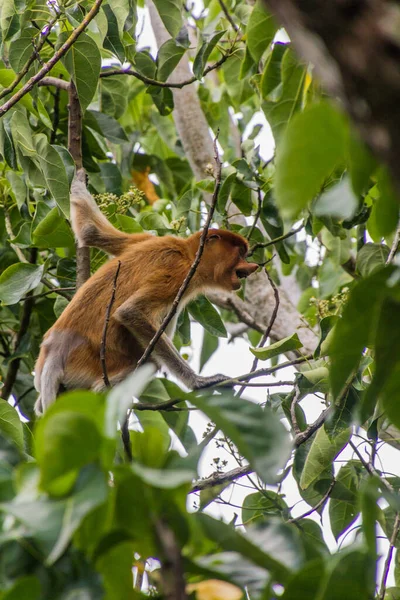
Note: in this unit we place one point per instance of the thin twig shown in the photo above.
(388, 560)
(370, 468)
(262, 372)
(13, 366)
(275, 241)
(31, 59)
(228, 16)
(166, 84)
(104, 335)
(316, 507)
(53, 60)
(394, 247)
(269, 328)
(52, 291)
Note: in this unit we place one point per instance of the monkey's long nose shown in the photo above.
(245, 269)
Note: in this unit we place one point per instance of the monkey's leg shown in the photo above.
(134, 315)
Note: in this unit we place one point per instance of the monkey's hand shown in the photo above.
(204, 382)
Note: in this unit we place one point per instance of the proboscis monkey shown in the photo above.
(151, 273)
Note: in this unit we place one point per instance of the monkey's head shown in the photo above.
(226, 253)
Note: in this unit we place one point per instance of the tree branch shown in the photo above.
(276, 240)
(31, 59)
(54, 59)
(221, 478)
(75, 148)
(60, 84)
(168, 84)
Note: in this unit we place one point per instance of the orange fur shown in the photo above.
(151, 273)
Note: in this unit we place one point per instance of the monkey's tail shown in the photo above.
(91, 227)
(47, 383)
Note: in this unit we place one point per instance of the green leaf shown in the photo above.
(9, 19)
(167, 478)
(10, 424)
(7, 77)
(17, 280)
(203, 54)
(171, 16)
(342, 513)
(7, 149)
(115, 565)
(83, 63)
(371, 258)
(21, 49)
(386, 209)
(258, 434)
(270, 545)
(22, 133)
(52, 523)
(225, 191)
(54, 172)
(350, 578)
(286, 100)
(339, 202)
(120, 398)
(169, 55)
(260, 31)
(208, 347)
(112, 41)
(65, 442)
(271, 78)
(204, 313)
(107, 126)
(53, 232)
(263, 505)
(353, 332)
(301, 167)
(291, 342)
(18, 187)
(25, 588)
(387, 362)
(241, 196)
(322, 453)
(304, 584)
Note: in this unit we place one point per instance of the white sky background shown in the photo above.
(235, 358)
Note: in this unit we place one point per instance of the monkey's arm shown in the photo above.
(91, 227)
(133, 314)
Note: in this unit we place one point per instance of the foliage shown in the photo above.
(77, 519)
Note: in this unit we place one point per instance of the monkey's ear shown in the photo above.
(213, 236)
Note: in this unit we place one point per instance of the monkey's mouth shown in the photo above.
(237, 276)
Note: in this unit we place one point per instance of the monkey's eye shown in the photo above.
(214, 236)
